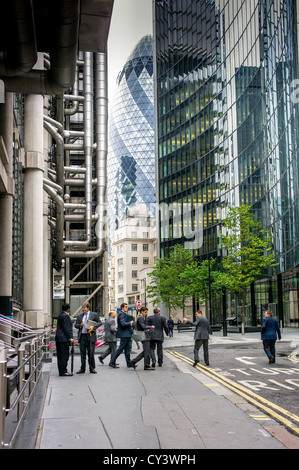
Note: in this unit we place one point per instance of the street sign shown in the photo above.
(138, 303)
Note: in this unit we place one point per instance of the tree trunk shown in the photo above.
(243, 312)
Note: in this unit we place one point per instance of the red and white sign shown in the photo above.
(138, 303)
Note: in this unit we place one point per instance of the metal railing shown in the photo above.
(20, 370)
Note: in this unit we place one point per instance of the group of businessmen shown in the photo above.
(153, 326)
(88, 322)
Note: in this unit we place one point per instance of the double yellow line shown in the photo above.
(268, 407)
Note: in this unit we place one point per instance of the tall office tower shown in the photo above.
(227, 130)
(131, 162)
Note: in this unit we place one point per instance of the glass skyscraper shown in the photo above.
(227, 129)
(131, 162)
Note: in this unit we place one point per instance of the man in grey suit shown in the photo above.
(201, 336)
(110, 336)
(87, 336)
(157, 337)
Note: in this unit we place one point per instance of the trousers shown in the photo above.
(63, 352)
(126, 346)
(159, 343)
(110, 350)
(269, 348)
(87, 346)
(197, 346)
(145, 353)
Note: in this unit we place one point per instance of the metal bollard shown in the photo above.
(31, 366)
(21, 379)
(3, 393)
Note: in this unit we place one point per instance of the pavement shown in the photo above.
(172, 407)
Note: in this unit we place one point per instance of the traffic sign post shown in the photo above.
(138, 303)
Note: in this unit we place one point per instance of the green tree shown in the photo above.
(201, 279)
(249, 251)
(166, 282)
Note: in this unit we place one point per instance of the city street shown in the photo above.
(239, 402)
(244, 368)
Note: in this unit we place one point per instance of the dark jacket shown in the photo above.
(160, 325)
(124, 328)
(142, 325)
(270, 329)
(202, 328)
(64, 332)
(93, 317)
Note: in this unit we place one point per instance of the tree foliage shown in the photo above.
(166, 282)
(201, 279)
(248, 251)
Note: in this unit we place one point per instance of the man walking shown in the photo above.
(63, 339)
(270, 331)
(142, 325)
(201, 336)
(87, 323)
(157, 336)
(124, 332)
(110, 336)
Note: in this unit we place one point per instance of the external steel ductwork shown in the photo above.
(101, 137)
(63, 53)
(21, 53)
(71, 248)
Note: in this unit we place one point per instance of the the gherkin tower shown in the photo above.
(131, 162)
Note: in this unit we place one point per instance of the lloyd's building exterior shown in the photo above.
(227, 133)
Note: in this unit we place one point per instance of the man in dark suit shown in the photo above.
(124, 332)
(157, 336)
(270, 331)
(201, 336)
(87, 336)
(63, 339)
(142, 325)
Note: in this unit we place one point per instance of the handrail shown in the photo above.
(15, 326)
(30, 354)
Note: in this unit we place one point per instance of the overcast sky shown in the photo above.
(130, 21)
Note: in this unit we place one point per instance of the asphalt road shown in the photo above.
(246, 369)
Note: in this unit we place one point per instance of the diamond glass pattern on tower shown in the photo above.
(131, 162)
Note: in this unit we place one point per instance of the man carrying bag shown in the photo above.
(142, 326)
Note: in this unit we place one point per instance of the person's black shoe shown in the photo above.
(160, 365)
(153, 364)
(67, 374)
(101, 360)
(81, 371)
(132, 364)
(93, 371)
(195, 363)
(113, 366)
